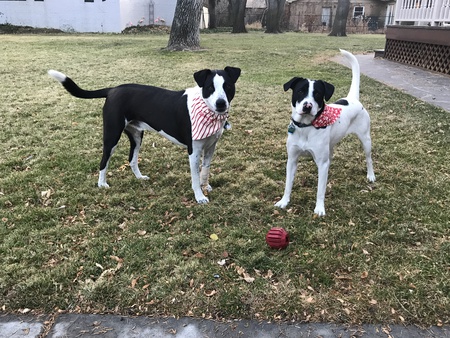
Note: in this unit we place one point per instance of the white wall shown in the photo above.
(109, 16)
(165, 9)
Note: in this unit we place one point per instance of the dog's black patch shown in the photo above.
(342, 102)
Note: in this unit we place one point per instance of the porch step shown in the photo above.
(379, 53)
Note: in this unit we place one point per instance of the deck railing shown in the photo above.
(423, 12)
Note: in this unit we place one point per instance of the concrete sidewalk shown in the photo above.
(111, 326)
(427, 86)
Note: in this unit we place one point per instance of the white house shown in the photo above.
(104, 16)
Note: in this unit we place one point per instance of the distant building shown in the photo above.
(318, 15)
(103, 16)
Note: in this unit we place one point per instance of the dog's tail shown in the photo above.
(354, 87)
(73, 88)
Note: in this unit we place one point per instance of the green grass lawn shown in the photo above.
(381, 254)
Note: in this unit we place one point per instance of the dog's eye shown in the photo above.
(211, 88)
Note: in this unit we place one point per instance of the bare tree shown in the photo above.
(340, 19)
(275, 12)
(212, 14)
(185, 31)
(238, 15)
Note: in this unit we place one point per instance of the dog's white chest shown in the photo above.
(304, 142)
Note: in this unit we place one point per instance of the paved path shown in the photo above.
(110, 326)
(427, 86)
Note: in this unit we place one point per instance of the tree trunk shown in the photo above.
(238, 15)
(275, 12)
(340, 19)
(212, 14)
(185, 31)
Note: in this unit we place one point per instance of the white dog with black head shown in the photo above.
(317, 127)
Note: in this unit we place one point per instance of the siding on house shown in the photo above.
(104, 16)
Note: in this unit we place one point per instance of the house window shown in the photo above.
(358, 12)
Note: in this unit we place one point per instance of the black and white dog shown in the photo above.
(317, 127)
(193, 118)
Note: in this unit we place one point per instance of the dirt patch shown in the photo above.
(12, 29)
(149, 29)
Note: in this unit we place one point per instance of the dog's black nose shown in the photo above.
(221, 105)
(307, 107)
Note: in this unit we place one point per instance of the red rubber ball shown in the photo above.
(277, 238)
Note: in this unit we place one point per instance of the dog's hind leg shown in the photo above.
(112, 130)
(108, 150)
(363, 134)
(135, 136)
(367, 146)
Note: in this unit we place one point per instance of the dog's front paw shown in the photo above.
(202, 200)
(319, 211)
(371, 178)
(142, 177)
(103, 185)
(282, 203)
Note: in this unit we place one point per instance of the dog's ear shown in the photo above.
(233, 73)
(291, 83)
(329, 90)
(201, 75)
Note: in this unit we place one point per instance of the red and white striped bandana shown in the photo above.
(204, 121)
(328, 117)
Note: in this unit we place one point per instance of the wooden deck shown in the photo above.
(427, 47)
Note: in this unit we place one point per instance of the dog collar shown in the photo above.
(300, 124)
(204, 121)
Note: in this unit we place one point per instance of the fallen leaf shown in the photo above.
(269, 274)
(141, 232)
(247, 278)
(133, 282)
(214, 237)
(117, 259)
(240, 270)
(199, 255)
(210, 293)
